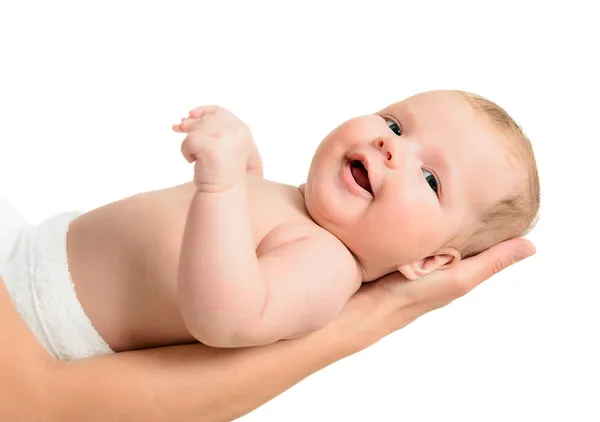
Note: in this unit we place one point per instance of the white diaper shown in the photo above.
(33, 264)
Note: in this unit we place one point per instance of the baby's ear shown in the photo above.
(442, 259)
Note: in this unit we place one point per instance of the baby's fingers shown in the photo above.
(203, 110)
(186, 125)
(192, 145)
(180, 127)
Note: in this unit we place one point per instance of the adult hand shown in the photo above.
(384, 306)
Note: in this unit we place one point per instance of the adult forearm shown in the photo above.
(186, 383)
(180, 383)
(220, 281)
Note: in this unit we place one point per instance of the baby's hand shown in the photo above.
(219, 143)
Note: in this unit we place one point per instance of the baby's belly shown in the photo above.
(124, 266)
(124, 260)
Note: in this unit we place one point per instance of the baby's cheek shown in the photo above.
(418, 228)
(328, 206)
(355, 132)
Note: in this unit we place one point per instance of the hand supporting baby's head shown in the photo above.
(425, 182)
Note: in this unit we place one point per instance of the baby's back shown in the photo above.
(124, 258)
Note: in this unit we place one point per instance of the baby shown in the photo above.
(235, 260)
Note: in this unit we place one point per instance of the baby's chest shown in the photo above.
(278, 219)
(283, 234)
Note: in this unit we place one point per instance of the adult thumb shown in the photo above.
(449, 284)
(497, 258)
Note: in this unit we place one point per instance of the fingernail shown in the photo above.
(523, 253)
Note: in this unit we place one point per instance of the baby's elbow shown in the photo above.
(225, 326)
(207, 334)
(217, 334)
(224, 342)
(220, 340)
(232, 336)
(226, 339)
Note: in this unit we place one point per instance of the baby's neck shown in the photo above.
(302, 188)
(371, 272)
(368, 272)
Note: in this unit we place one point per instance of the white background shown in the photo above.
(89, 90)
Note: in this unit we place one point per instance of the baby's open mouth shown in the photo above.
(360, 175)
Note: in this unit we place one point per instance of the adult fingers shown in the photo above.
(446, 285)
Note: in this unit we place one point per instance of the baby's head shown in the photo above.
(425, 182)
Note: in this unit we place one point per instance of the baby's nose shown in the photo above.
(388, 150)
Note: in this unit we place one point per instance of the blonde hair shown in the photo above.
(516, 214)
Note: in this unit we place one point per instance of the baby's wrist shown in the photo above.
(219, 188)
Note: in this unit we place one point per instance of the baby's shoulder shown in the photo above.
(316, 240)
(288, 232)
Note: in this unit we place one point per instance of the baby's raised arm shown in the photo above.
(254, 165)
(228, 296)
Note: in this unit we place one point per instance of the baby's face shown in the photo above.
(395, 186)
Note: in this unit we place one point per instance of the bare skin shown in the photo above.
(199, 383)
(234, 260)
(124, 258)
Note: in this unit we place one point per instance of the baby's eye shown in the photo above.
(395, 127)
(433, 183)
